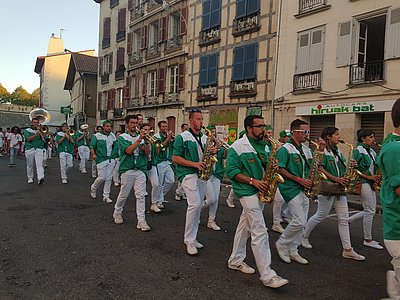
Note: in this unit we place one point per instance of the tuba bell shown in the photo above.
(41, 114)
(84, 127)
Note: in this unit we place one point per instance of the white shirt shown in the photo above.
(14, 140)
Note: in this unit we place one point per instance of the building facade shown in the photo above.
(338, 65)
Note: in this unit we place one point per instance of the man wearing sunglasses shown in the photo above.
(294, 160)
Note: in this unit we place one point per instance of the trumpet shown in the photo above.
(71, 132)
(224, 144)
(44, 129)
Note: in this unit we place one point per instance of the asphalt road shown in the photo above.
(58, 243)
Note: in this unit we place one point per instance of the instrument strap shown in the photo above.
(198, 139)
(335, 152)
(300, 149)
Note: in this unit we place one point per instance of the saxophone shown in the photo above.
(376, 186)
(208, 158)
(351, 172)
(315, 175)
(271, 175)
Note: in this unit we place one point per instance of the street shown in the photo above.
(59, 243)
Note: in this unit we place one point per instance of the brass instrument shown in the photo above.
(44, 117)
(376, 186)
(271, 176)
(224, 144)
(316, 176)
(44, 129)
(351, 172)
(84, 127)
(149, 138)
(208, 158)
(71, 132)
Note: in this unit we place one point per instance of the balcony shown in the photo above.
(174, 43)
(246, 25)
(153, 51)
(209, 37)
(367, 72)
(172, 97)
(120, 74)
(118, 112)
(307, 82)
(105, 78)
(121, 35)
(150, 100)
(311, 6)
(132, 103)
(207, 93)
(137, 12)
(152, 5)
(243, 89)
(113, 3)
(105, 43)
(135, 58)
(103, 114)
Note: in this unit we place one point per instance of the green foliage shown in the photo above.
(19, 96)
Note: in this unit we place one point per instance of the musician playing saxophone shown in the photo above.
(245, 167)
(333, 165)
(365, 157)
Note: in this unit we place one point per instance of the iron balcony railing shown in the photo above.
(133, 103)
(367, 72)
(135, 58)
(152, 50)
(243, 89)
(118, 112)
(308, 5)
(113, 3)
(105, 78)
(205, 93)
(103, 114)
(310, 81)
(174, 42)
(246, 24)
(121, 35)
(172, 97)
(209, 37)
(137, 12)
(150, 100)
(119, 75)
(105, 43)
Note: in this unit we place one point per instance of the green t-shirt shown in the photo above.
(36, 143)
(219, 167)
(187, 147)
(104, 146)
(388, 161)
(82, 142)
(162, 155)
(243, 158)
(365, 157)
(135, 161)
(332, 164)
(66, 145)
(290, 158)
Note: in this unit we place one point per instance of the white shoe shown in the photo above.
(230, 202)
(30, 180)
(155, 208)
(282, 252)
(64, 181)
(213, 226)
(299, 259)
(191, 249)
(276, 282)
(278, 228)
(305, 243)
(84, 172)
(142, 225)
(160, 205)
(373, 244)
(178, 197)
(116, 183)
(107, 200)
(118, 218)
(184, 197)
(94, 175)
(93, 193)
(198, 245)
(242, 267)
(352, 255)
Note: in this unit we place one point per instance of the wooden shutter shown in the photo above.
(184, 17)
(110, 63)
(136, 86)
(121, 58)
(238, 63)
(161, 81)
(130, 4)
(127, 88)
(101, 66)
(144, 84)
(240, 8)
(343, 52)
(205, 18)
(99, 94)
(316, 49)
(162, 29)
(181, 77)
(392, 42)
(253, 6)
(120, 19)
(106, 28)
(165, 28)
(109, 100)
(112, 101)
(250, 63)
(144, 37)
(129, 44)
(215, 17)
(213, 69)
(203, 72)
(303, 52)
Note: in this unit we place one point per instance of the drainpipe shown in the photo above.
(276, 63)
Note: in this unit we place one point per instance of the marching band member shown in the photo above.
(104, 151)
(365, 157)
(82, 143)
(294, 159)
(34, 151)
(65, 148)
(15, 139)
(388, 162)
(132, 170)
(333, 165)
(99, 128)
(156, 189)
(180, 193)
(245, 169)
(117, 161)
(188, 153)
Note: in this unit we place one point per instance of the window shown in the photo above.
(310, 48)
(108, 63)
(104, 101)
(245, 62)
(153, 38)
(121, 24)
(106, 33)
(208, 75)
(246, 8)
(119, 98)
(173, 79)
(152, 84)
(211, 16)
(174, 25)
(136, 41)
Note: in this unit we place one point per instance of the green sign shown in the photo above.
(66, 110)
(254, 111)
(224, 116)
(354, 108)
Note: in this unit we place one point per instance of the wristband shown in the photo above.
(251, 181)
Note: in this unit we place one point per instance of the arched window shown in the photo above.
(171, 124)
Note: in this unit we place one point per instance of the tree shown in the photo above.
(36, 94)
(21, 93)
(4, 94)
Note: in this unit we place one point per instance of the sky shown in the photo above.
(25, 30)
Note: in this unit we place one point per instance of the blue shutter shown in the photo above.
(213, 63)
(238, 63)
(253, 6)
(240, 8)
(215, 19)
(205, 19)
(203, 74)
(250, 64)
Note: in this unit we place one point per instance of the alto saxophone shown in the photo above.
(315, 174)
(351, 172)
(208, 158)
(271, 176)
(376, 186)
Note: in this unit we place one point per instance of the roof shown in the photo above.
(81, 63)
(10, 119)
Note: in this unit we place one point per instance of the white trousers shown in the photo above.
(231, 195)
(83, 152)
(195, 190)
(65, 164)
(212, 197)
(115, 171)
(291, 237)
(393, 277)
(34, 157)
(166, 177)
(49, 149)
(179, 190)
(156, 189)
(325, 204)
(368, 201)
(104, 170)
(94, 168)
(137, 180)
(252, 224)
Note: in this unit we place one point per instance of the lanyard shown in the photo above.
(301, 152)
(198, 139)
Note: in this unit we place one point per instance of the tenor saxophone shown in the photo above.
(351, 172)
(316, 176)
(271, 176)
(376, 186)
(208, 158)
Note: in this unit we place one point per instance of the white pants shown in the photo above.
(179, 190)
(252, 224)
(65, 163)
(231, 195)
(49, 149)
(368, 201)
(115, 171)
(195, 190)
(104, 170)
(280, 208)
(212, 197)
(291, 237)
(166, 177)
(325, 204)
(83, 152)
(34, 157)
(137, 180)
(94, 168)
(156, 189)
(393, 277)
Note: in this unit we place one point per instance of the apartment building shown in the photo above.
(338, 65)
(231, 60)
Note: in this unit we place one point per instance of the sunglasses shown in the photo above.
(302, 131)
(258, 126)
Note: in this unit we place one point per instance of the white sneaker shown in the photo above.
(282, 252)
(276, 282)
(142, 225)
(94, 175)
(84, 172)
(191, 249)
(118, 218)
(278, 228)
(107, 200)
(297, 258)
(178, 197)
(213, 226)
(160, 205)
(30, 180)
(305, 243)
(93, 193)
(64, 181)
(198, 245)
(352, 255)
(184, 197)
(373, 244)
(116, 183)
(155, 208)
(242, 267)
(230, 202)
